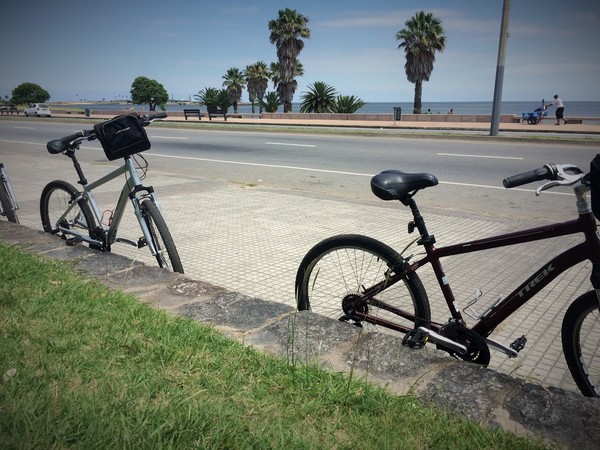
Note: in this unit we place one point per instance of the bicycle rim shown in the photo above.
(166, 252)
(55, 200)
(581, 343)
(334, 275)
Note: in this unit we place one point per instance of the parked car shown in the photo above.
(37, 109)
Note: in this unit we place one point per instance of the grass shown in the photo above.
(84, 367)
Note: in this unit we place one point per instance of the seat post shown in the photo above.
(78, 169)
(419, 222)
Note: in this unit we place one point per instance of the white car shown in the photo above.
(37, 109)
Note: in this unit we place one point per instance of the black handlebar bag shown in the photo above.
(122, 136)
(595, 185)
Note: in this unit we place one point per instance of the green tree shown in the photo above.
(234, 83)
(320, 98)
(144, 90)
(208, 96)
(345, 104)
(286, 32)
(272, 102)
(224, 100)
(29, 93)
(257, 79)
(422, 37)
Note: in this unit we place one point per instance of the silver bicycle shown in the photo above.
(8, 202)
(75, 215)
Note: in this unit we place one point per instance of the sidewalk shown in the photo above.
(548, 125)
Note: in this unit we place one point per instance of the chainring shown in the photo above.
(478, 351)
(351, 304)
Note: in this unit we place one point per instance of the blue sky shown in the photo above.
(94, 50)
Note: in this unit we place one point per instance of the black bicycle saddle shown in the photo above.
(395, 184)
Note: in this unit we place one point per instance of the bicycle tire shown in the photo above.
(7, 206)
(161, 236)
(340, 267)
(54, 201)
(581, 342)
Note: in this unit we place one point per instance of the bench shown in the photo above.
(9, 109)
(214, 112)
(192, 112)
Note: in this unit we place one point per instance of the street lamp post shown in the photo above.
(495, 125)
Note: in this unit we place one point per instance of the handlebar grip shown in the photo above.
(543, 173)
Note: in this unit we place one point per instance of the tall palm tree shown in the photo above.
(422, 37)
(234, 83)
(286, 32)
(320, 98)
(276, 73)
(257, 77)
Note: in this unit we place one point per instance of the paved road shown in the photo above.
(245, 207)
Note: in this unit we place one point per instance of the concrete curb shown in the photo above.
(561, 417)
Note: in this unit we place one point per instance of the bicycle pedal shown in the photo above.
(414, 339)
(72, 241)
(519, 344)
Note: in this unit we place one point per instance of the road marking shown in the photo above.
(290, 145)
(479, 156)
(337, 172)
(25, 128)
(169, 137)
(275, 166)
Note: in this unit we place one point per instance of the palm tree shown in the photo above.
(257, 76)
(272, 102)
(208, 96)
(286, 32)
(235, 83)
(320, 98)
(276, 73)
(422, 37)
(347, 104)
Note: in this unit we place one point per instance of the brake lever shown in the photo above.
(563, 178)
(547, 186)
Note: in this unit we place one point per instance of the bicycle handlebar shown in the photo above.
(548, 172)
(65, 143)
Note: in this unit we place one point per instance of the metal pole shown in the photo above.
(495, 125)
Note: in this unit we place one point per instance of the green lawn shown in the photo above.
(83, 367)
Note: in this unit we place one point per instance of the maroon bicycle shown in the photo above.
(357, 279)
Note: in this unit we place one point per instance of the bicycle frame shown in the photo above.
(588, 249)
(11, 195)
(131, 188)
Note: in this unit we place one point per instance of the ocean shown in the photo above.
(574, 109)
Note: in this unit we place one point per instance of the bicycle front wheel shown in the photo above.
(581, 342)
(166, 252)
(7, 205)
(336, 272)
(56, 199)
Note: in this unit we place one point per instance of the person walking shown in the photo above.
(560, 110)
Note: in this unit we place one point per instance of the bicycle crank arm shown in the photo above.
(501, 348)
(422, 334)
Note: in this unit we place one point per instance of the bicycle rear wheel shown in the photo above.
(7, 205)
(335, 273)
(161, 237)
(56, 198)
(581, 342)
